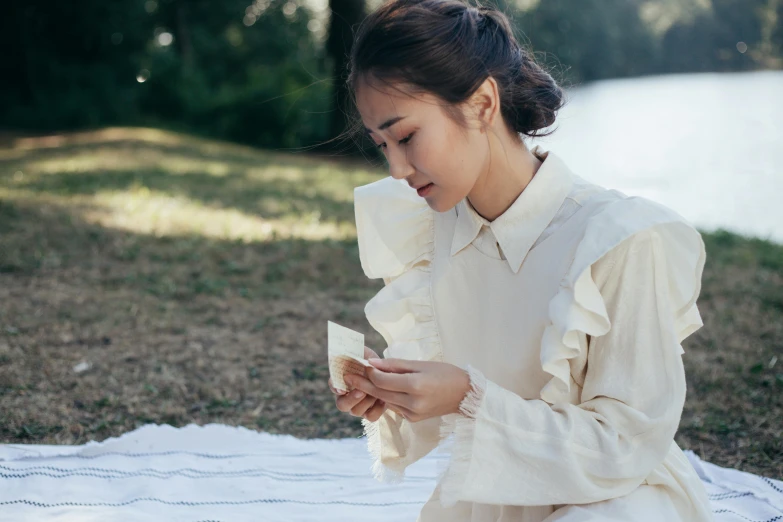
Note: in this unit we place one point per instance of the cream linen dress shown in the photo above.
(568, 312)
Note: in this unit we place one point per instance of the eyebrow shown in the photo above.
(387, 123)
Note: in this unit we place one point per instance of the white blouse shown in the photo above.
(568, 312)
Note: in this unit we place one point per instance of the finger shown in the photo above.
(398, 382)
(335, 390)
(393, 365)
(374, 413)
(400, 410)
(369, 353)
(364, 405)
(346, 402)
(360, 383)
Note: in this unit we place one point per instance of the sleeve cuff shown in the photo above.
(462, 426)
(388, 463)
(394, 444)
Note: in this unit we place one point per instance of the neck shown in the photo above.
(508, 172)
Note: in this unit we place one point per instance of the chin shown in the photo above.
(438, 206)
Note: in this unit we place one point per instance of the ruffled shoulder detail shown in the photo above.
(396, 236)
(394, 227)
(578, 309)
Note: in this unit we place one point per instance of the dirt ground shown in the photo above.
(149, 277)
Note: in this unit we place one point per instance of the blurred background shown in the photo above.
(176, 221)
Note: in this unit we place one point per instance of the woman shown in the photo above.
(534, 320)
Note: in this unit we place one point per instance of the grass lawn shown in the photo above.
(194, 279)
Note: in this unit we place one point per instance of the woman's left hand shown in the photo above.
(417, 390)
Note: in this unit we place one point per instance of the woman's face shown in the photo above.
(422, 144)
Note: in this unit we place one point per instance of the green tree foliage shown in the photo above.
(597, 39)
(732, 35)
(62, 69)
(236, 69)
(244, 72)
(590, 39)
(264, 71)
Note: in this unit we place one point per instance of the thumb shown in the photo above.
(392, 365)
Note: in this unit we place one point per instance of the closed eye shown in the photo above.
(403, 141)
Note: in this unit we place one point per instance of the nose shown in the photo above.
(399, 166)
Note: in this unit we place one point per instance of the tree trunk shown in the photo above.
(182, 32)
(345, 17)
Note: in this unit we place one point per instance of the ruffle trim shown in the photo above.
(574, 311)
(396, 237)
(402, 313)
(396, 234)
(394, 228)
(457, 430)
(578, 309)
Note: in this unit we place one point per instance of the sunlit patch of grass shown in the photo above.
(163, 184)
(108, 159)
(150, 212)
(124, 135)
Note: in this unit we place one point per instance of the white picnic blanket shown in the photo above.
(223, 473)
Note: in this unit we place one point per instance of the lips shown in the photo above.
(424, 189)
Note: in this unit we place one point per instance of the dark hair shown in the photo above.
(448, 49)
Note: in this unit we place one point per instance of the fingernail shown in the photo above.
(357, 393)
(339, 391)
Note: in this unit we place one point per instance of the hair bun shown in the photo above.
(534, 103)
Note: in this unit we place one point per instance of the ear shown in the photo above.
(485, 103)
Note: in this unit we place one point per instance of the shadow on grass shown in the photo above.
(158, 141)
(48, 238)
(266, 198)
(175, 329)
(213, 174)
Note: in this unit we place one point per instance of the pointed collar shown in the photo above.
(518, 228)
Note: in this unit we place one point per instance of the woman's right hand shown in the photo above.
(356, 402)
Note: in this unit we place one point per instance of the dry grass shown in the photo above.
(195, 277)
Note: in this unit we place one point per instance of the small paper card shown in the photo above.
(346, 354)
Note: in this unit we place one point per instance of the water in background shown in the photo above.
(709, 146)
